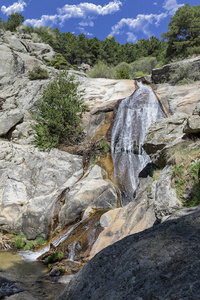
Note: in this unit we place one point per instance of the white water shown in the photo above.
(31, 256)
(134, 116)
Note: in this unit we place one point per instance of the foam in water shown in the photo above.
(134, 116)
(31, 256)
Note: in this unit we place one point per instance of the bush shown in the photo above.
(40, 241)
(122, 73)
(59, 62)
(38, 73)
(101, 70)
(29, 246)
(184, 73)
(20, 241)
(54, 257)
(60, 112)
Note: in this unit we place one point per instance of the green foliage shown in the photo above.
(184, 73)
(13, 21)
(38, 73)
(59, 62)
(122, 73)
(54, 257)
(29, 246)
(183, 35)
(102, 70)
(20, 241)
(40, 241)
(60, 112)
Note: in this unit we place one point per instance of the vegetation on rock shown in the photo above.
(59, 115)
(38, 73)
(185, 174)
(59, 62)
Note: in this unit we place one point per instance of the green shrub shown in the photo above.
(122, 73)
(59, 62)
(40, 241)
(29, 246)
(38, 73)
(101, 70)
(54, 257)
(60, 113)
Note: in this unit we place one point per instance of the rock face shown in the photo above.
(91, 192)
(162, 135)
(162, 74)
(30, 182)
(154, 201)
(159, 263)
(179, 98)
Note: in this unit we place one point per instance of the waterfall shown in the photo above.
(134, 116)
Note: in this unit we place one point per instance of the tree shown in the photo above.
(13, 21)
(60, 112)
(184, 32)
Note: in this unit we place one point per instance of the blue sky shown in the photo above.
(126, 20)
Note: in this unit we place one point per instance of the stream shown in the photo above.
(31, 276)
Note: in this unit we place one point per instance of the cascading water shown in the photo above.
(134, 116)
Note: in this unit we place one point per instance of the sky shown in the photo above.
(126, 20)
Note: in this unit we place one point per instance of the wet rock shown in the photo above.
(91, 191)
(159, 263)
(8, 288)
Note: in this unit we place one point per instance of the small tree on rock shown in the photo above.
(60, 112)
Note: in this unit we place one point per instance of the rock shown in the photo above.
(192, 125)
(8, 119)
(91, 191)
(179, 98)
(196, 111)
(159, 263)
(162, 74)
(30, 182)
(162, 135)
(164, 200)
(8, 288)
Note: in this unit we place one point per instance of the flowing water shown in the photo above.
(32, 277)
(134, 116)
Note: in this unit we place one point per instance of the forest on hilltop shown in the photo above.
(112, 59)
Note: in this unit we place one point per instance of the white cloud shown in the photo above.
(155, 3)
(86, 23)
(82, 30)
(15, 7)
(140, 24)
(83, 10)
(171, 6)
(131, 37)
(45, 20)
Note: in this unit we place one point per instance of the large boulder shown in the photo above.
(9, 119)
(162, 74)
(30, 182)
(178, 98)
(162, 135)
(159, 263)
(91, 192)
